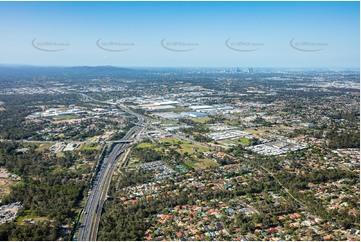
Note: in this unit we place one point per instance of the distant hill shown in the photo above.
(9, 72)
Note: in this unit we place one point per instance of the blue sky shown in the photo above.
(324, 34)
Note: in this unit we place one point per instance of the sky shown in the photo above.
(181, 34)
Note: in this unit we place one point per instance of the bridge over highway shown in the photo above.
(90, 217)
(121, 141)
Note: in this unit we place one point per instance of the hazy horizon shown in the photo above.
(178, 67)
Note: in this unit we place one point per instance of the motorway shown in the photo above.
(92, 210)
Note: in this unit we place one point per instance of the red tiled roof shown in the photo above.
(272, 230)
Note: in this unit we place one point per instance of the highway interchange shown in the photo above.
(92, 210)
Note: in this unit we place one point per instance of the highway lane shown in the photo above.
(104, 191)
(92, 210)
(92, 204)
(27, 141)
(93, 207)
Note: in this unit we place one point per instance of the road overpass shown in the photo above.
(120, 141)
(92, 210)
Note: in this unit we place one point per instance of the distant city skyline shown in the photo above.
(181, 34)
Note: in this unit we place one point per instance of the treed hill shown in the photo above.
(9, 72)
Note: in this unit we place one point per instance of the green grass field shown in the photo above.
(173, 122)
(244, 141)
(43, 147)
(201, 164)
(172, 141)
(27, 214)
(65, 117)
(233, 122)
(91, 146)
(145, 145)
(179, 110)
(201, 120)
(184, 146)
(60, 154)
(205, 164)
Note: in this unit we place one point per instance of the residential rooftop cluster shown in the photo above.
(220, 155)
